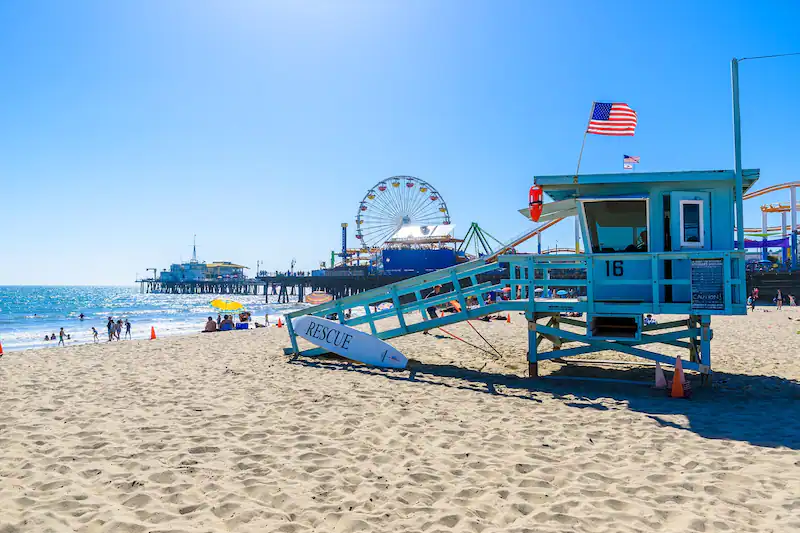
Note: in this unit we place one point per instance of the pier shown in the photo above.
(238, 286)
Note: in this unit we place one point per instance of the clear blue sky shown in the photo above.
(129, 126)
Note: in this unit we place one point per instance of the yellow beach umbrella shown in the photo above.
(226, 305)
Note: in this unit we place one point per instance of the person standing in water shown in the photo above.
(110, 327)
(61, 336)
(127, 329)
(94, 335)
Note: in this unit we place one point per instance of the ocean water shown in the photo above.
(28, 313)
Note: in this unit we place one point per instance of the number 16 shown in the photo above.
(614, 268)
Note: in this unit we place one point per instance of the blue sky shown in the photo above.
(130, 126)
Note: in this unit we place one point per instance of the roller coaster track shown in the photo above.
(773, 188)
(767, 190)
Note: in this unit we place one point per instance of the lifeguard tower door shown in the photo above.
(690, 215)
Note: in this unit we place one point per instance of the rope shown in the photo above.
(484, 339)
(468, 343)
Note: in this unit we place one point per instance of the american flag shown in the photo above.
(612, 119)
(630, 158)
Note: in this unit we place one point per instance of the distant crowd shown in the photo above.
(114, 332)
(778, 300)
(226, 323)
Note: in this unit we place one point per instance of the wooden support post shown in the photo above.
(694, 346)
(705, 349)
(556, 323)
(533, 361)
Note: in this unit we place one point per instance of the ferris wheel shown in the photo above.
(396, 202)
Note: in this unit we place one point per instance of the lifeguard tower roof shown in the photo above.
(568, 186)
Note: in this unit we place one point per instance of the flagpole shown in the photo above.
(580, 156)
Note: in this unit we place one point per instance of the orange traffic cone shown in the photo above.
(678, 380)
(661, 380)
(280, 324)
(508, 318)
(152, 333)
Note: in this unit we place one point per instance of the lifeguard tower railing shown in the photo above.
(526, 281)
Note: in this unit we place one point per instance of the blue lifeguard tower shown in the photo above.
(658, 243)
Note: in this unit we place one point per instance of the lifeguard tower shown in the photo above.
(656, 243)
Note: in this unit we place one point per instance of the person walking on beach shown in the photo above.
(110, 327)
(432, 310)
(779, 300)
(94, 335)
(128, 329)
(61, 336)
(118, 329)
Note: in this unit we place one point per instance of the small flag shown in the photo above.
(630, 158)
(628, 166)
(612, 119)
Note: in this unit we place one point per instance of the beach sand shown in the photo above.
(223, 432)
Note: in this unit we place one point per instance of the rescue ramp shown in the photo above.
(407, 303)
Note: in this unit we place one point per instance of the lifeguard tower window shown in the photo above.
(617, 226)
(692, 223)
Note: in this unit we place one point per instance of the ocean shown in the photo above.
(28, 313)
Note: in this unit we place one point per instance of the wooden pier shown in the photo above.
(241, 286)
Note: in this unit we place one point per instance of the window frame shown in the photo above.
(584, 201)
(701, 224)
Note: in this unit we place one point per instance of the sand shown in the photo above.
(223, 433)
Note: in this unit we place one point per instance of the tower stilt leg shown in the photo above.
(533, 361)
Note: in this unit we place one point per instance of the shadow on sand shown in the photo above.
(761, 410)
